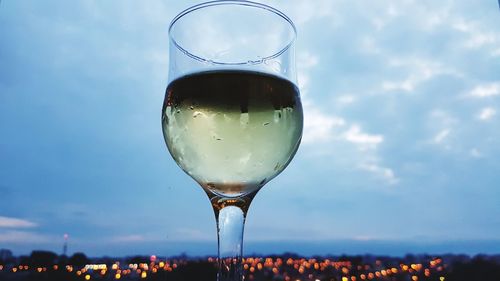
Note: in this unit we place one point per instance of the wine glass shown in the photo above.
(232, 116)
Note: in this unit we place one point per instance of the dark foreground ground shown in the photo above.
(48, 266)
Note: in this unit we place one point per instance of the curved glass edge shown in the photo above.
(232, 2)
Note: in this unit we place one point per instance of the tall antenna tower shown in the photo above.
(65, 245)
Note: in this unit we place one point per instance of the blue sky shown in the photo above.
(401, 140)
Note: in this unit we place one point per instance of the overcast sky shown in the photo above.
(401, 139)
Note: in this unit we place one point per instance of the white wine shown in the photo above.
(232, 131)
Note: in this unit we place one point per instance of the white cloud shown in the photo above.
(319, 127)
(475, 153)
(421, 70)
(345, 99)
(407, 85)
(369, 46)
(384, 173)
(443, 118)
(304, 11)
(355, 135)
(478, 37)
(305, 61)
(380, 18)
(7, 222)
(191, 233)
(441, 136)
(24, 237)
(486, 90)
(129, 238)
(486, 113)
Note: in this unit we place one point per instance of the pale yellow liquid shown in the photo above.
(230, 152)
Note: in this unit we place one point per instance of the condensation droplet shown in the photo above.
(244, 119)
(277, 166)
(277, 116)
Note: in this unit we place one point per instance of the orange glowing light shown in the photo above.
(87, 277)
(414, 278)
(14, 270)
(118, 276)
(345, 279)
(144, 275)
(362, 276)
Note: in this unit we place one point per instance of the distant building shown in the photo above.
(5, 254)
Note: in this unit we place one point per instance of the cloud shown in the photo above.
(486, 113)
(6, 222)
(24, 237)
(475, 153)
(190, 233)
(304, 11)
(305, 61)
(368, 45)
(443, 118)
(486, 90)
(128, 238)
(319, 127)
(421, 70)
(355, 135)
(384, 173)
(345, 99)
(478, 37)
(441, 136)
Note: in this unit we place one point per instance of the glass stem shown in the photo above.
(230, 225)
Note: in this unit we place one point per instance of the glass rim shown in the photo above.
(232, 2)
